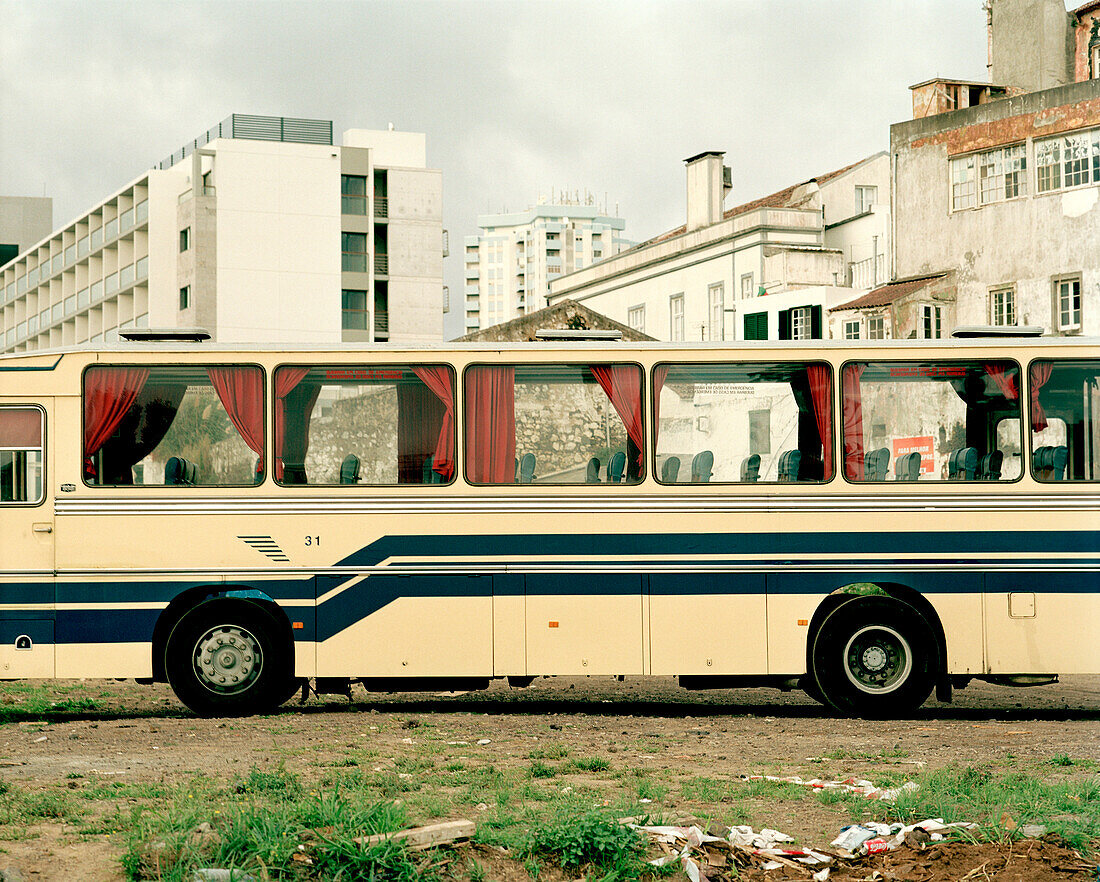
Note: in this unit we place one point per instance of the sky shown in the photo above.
(517, 99)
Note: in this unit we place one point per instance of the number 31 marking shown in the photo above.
(313, 540)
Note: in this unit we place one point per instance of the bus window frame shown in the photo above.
(369, 366)
(191, 364)
(939, 482)
(45, 477)
(643, 478)
(833, 398)
(1030, 470)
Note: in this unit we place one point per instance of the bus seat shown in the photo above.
(527, 468)
(294, 473)
(670, 470)
(1061, 457)
(962, 465)
(907, 467)
(750, 469)
(592, 473)
(175, 471)
(428, 474)
(702, 467)
(349, 469)
(876, 464)
(1050, 463)
(616, 466)
(789, 461)
(989, 466)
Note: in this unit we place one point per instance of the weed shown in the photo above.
(589, 839)
(475, 871)
(277, 780)
(539, 769)
(550, 751)
(591, 764)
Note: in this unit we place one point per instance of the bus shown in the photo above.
(867, 521)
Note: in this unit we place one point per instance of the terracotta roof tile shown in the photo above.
(886, 294)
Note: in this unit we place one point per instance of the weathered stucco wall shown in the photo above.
(1032, 44)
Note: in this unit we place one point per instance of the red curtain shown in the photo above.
(1005, 381)
(1040, 374)
(438, 379)
(622, 383)
(20, 427)
(419, 418)
(660, 374)
(821, 390)
(241, 391)
(491, 424)
(853, 422)
(108, 395)
(293, 406)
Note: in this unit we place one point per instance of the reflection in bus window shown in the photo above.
(20, 454)
(1065, 420)
(181, 425)
(956, 416)
(364, 424)
(554, 424)
(743, 423)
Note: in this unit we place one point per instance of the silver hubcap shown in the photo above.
(227, 659)
(878, 659)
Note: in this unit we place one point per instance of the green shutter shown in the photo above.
(785, 324)
(815, 323)
(756, 326)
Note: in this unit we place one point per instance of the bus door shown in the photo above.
(26, 540)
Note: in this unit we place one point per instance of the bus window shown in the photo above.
(554, 424)
(364, 424)
(948, 420)
(21, 454)
(743, 423)
(1065, 420)
(180, 425)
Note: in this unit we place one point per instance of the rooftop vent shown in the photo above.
(578, 334)
(165, 335)
(970, 331)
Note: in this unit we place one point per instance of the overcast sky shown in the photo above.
(515, 97)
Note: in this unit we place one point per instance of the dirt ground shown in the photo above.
(141, 734)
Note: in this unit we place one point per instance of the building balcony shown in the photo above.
(381, 206)
(381, 264)
(446, 243)
(381, 325)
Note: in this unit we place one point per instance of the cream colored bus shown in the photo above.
(869, 522)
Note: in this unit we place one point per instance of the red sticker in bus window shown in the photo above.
(361, 374)
(930, 371)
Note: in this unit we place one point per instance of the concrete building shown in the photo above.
(510, 264)
(767, 269)
(260, 231)
(998, 185)
(565, 315)
(24, 220)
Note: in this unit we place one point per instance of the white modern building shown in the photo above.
(260, 231)
(24, 220)
(767, 269)
(509, 266)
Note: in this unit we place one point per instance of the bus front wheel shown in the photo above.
(226, 658)
(874, 657)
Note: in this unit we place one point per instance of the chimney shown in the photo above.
(705, 189)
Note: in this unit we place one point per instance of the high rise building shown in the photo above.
(23, 221)
(261, 230)
(510, 265)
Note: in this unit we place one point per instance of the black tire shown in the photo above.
(229, 657)
(874, 657)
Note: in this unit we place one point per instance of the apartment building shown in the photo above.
(24, 220)
(766, 269)
(261, 230)
(510, 264)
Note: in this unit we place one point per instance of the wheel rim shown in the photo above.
(878, 659)
(227, 659)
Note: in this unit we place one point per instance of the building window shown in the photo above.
(635, 317)
(1003, 173)
(746, 286)
(876, 327)
(353, 311)
(1075, 159)
(185, 297)
(800, 323)
(676, 318)
(1002, 307)
(354, 248)
(756, 326)
(1094, 51)
(353, 194)
(185, 239)
(963, 189)
(930, 322)
(717, 294)
(1048, 164)
(851, 330)
(1067, 303)
(865, 198)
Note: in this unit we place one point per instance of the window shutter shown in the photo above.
(756, 326)
(815, 322)
(785, 324)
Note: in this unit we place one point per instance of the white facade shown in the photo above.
(247, 236)
(23, 221)
(510, 265)
(767, 267)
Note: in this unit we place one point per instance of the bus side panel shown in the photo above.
(405, 626)
(509, 626)
(707, 623)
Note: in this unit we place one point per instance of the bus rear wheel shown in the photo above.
(226, 658)
(874, 657)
